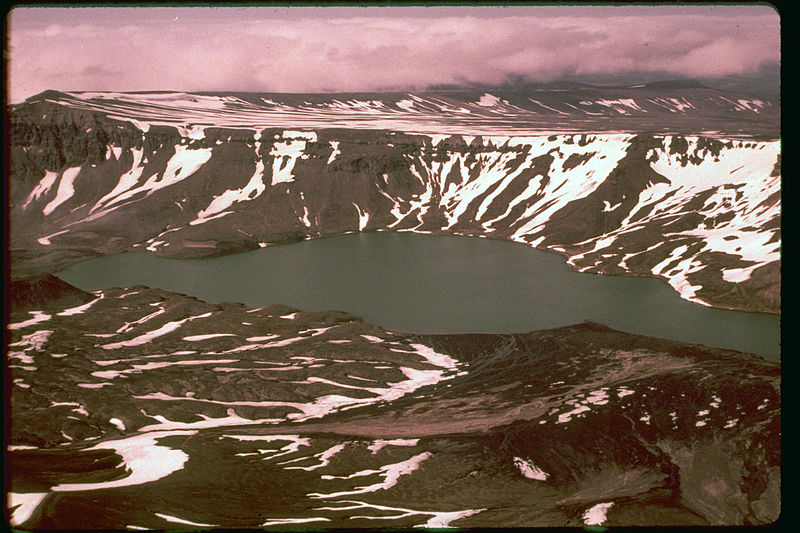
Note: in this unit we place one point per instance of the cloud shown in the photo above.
(278, 50)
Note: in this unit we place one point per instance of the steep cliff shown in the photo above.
(87, 177)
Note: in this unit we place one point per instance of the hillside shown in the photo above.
(637, 185)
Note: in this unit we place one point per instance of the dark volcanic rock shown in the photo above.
(139, 408)
(273, 417)
(45, 291)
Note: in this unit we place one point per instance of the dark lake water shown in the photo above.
(437, 284)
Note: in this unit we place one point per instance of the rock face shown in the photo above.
(616, 190)
(144, 408)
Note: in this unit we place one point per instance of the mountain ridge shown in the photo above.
(645, 108)
(604, 200)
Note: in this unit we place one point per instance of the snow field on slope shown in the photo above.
(45, 241)
(388, 475)
(442, 365)
(439, 519)
(34, 340)
(22, 505)
(146, 460)
(41, 188)
(143, 457)
(181, 165)
(285, 153)
(327, 404)
(192, 113)
(391, 473)
(228, 198)
(147, 337)
(126, 180)
(596, 515)
(530, 470)
(747, 169)
(493, 168)
(80, 309)
(566, 186)
(65, 189)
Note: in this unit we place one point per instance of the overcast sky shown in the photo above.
(323, 49)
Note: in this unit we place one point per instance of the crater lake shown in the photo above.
(437, 284)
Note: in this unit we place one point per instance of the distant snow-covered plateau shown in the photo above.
(138, 408)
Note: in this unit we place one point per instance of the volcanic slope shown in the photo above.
(678, 182)
(139, 408)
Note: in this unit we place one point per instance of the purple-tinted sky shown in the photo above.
(322, 49)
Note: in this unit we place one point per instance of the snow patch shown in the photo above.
(33, 340)
(45, 241)
(598, 397)
(284, 521)
(379, 444)
(144, 459)
(285, 154)
(194, 338)
(530, 470)
(65, 189)
(335, 152)
(624, 391)
(488, 100)
(22, 505)
(363, 217)
(150, 335)
(391, 473)
(408, 105)
(182, 164)
(443, 519)
(435, 358)
(596, 515)
(176, 520)
(324, 458)
(81, 308)
(252, 190)
(41, 188)
(38, 316)
(607, 207)
(566, 417)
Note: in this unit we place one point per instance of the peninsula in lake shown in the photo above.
(434, 295)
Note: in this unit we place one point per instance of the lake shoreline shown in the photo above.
(513, 264)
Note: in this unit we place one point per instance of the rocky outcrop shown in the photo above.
(45, 291)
